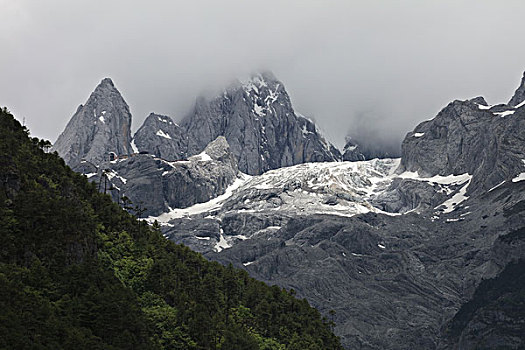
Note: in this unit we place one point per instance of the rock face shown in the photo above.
(469, 137)
(493, 319)
(260, 124)
(519, 95)
(100, 126)
(155, 185)
(160, 136)
(256, 117)
(352, 151)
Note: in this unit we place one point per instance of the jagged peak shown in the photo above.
(480, 100)
(154, 118)
(261, 79)
(519, 94)
(107, 82)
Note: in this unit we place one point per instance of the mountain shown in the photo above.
(256, 117)
(391, 250)
(160, 136)
(260, 124)
(77, 271)
(395, 247)
(100, 126)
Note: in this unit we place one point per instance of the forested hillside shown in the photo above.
(77, 271)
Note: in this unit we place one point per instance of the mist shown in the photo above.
(372, 69)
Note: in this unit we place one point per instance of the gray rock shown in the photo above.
(162, 137)
(352, 152)
(155, 185)
(260, 124)
(468, 137)
(100, 126)
(519, 94)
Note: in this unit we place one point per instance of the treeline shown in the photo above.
(77, 271)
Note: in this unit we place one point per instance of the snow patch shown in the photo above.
(201, 157)
(163, 134)
(504, 113)
(521, 104)
(498, 185)
(452, 203)
(90, 175)
(203, 238)
(222, 243)
(134, 147)
(419, 134)
(111, 174)
(483, 106)
(439, 179)
(260, 111)
(519, 178)
(199, 208)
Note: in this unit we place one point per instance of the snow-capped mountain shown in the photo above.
(394, 246)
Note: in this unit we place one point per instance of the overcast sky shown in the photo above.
(374, 69)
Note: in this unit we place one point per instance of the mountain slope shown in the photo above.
(493, 319)
(100, 126)
(394, 253)
(78, 271)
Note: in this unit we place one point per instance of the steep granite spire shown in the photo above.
(519, 94)
(160, 136)
(100, 126)
(260, 125)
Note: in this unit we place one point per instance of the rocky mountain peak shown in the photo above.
(100, 126)
(258, 120)
(106, 82)
(469, 137)
(519, 94)
(161, 136)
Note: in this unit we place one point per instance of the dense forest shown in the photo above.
(78, 271)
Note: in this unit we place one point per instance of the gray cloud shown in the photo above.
(374, 68)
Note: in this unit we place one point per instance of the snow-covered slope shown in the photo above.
(330, 188)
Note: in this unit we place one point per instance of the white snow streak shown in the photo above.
(134, 147)
(452, 203)
(163, 134)
(199, 208)
(504, 113)
(519, 178)
(201, 157)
